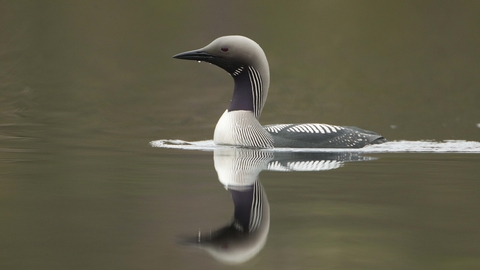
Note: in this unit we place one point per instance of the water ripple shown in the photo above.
(447, 146)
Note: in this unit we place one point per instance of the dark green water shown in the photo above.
(86, 85)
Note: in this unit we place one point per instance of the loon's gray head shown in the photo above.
(246, 62)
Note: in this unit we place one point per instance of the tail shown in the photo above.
(379, 140)
(374, 137)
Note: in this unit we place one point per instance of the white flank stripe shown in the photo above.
(326, 127)
(315, 129)
(320, 128)
(276, 128)
(300, 128)
(309, 128)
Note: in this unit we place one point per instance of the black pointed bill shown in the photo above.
(197, 55)
(203, 56)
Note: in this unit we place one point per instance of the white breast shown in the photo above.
(241, 128)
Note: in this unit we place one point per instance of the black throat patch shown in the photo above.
(242, 99)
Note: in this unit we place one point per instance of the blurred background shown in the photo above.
(86, 85)
(408, 70)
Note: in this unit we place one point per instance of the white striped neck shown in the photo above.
(250, 91)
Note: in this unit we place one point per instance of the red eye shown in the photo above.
(224, 49)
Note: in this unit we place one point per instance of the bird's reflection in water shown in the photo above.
(238, 170)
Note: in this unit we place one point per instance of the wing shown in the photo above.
(321, 136)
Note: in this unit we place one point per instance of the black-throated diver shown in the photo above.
(246, 62)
